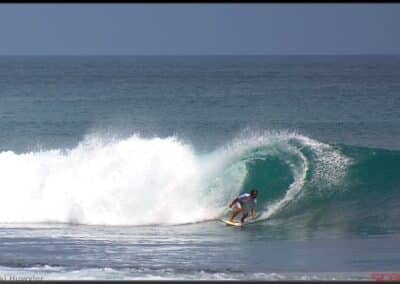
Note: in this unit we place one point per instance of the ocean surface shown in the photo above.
(122, 167)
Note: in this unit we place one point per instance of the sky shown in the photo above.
(199, 29)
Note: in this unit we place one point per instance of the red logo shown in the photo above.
(385, 276)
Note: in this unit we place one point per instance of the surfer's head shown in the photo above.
(254, 193)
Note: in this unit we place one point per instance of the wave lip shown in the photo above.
(312, 165)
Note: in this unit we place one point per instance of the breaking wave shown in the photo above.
(146, 181)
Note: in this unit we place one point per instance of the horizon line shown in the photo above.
(199, 54)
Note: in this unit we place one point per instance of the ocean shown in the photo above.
(121, 167)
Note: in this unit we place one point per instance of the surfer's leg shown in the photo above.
(238, 210)
(245, 214)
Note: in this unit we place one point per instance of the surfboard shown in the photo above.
(234, 224)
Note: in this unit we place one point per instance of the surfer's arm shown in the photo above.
(233, 202)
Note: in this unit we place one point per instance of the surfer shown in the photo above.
(244, 203)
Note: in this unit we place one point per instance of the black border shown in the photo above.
(231, 2)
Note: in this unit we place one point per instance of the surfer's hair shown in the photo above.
(254, 192)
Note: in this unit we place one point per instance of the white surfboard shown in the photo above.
(234, 224)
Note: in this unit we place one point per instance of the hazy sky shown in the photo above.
(175, 29)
